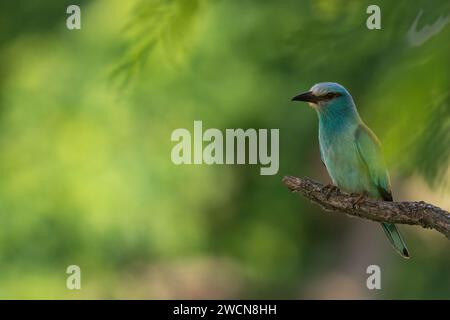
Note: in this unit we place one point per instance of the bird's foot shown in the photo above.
(330, 188)
(361, 198)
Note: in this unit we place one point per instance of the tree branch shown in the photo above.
(334, 200)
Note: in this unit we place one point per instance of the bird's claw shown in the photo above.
(330, 188)
(361, 198)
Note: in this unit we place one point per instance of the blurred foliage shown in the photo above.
(167, 25)
(85, 165)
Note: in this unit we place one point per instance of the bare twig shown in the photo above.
(334, 200)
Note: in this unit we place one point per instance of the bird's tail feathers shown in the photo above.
(395, 238)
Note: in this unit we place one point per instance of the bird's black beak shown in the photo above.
(307, 97)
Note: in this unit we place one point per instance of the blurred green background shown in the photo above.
(86, 118)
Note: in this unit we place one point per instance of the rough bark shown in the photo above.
(332, 199)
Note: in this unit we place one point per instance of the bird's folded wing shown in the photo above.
(369, 149)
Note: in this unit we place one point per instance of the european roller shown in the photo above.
(350, 150)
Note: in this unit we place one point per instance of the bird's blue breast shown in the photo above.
(342, 160)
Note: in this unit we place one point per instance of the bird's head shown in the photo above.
(326, 96)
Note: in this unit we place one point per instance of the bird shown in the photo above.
(350, 151)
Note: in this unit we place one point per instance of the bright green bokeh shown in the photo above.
(86, 118)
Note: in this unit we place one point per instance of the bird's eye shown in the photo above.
(329, 95)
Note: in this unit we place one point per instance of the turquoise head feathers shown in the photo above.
(333, 103)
